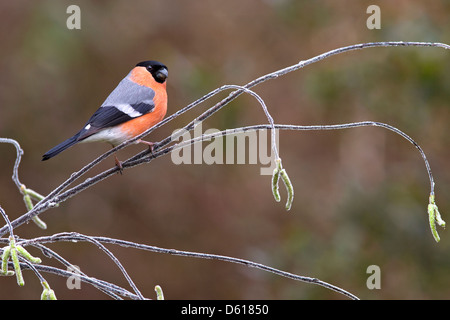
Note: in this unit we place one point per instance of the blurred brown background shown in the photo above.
(360, 195)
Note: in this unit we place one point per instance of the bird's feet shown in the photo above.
(150, 148)
(148, 143)
(118, 164)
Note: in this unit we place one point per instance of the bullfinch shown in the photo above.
(135, 105)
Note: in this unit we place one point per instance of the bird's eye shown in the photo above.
(149, 68)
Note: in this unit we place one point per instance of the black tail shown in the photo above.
(60, 147)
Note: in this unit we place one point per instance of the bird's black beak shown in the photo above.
(161, 75)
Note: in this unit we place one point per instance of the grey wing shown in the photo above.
(127, 101)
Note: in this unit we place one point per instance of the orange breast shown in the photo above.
(137, 126)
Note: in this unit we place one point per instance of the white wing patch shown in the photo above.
(128, 110)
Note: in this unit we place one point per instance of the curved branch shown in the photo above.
(69, 236)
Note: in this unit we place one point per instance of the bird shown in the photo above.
(137, 103)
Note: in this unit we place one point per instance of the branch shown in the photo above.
(52, 198)
(63, 192)
(71, 236)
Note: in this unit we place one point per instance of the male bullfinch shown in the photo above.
(135, 105)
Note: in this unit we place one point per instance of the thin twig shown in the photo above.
(58, 195)
(113, 258)
(52, 199)
(128, 164)
(109, 288)
(8, 222)
(69, 236)
(19, 153)
(53, 254)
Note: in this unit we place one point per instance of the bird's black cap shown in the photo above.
(152, 64)
(158, 70)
